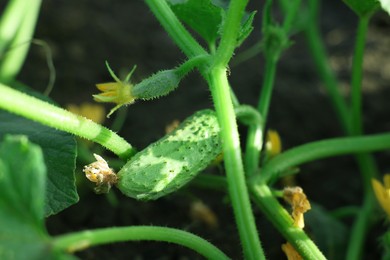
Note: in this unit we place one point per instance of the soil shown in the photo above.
(83, 34)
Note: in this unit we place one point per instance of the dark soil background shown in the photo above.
(83, 34)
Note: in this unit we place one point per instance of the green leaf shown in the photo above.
(363, 7)
(246, 28)
(59, 151)
(385, 5)
(22, 184)
(22, 202)
(201, 15)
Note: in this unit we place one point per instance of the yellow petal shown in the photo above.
(94, 112)
(386, 181)
(274, 144)
(382, 195)
(290, 252)
(107, 86)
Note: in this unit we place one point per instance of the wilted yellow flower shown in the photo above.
(91, 111)
(382, 193)
(273, 144)
(118, 92)
(100, 173)
(290, 252)
(299, 204)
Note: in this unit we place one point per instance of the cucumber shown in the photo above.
(171, 162)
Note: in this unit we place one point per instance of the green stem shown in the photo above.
(13, 62)
(266, 91)
(323, 149)
(319, 56)
(11, 19)
(40, 111)
(281, 219)
(81, 240)
(357, 76)
(369, 170)
(365, 161)
(233, 164)
(230, 32)
(255, 133)
(192, 63)
(360, 227)
(291, 14)
(175, 29)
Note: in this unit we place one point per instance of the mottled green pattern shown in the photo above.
(171, 162)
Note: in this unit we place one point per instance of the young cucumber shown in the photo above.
(171, 162)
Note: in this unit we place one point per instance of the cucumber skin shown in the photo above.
(171, 162)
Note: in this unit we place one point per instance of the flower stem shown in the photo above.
(81, 240)
(40, 111)
(357, 76)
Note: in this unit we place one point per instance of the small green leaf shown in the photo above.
(22, 185)
(385, 5)
(201, 15)
(59, 151)
(363, 7)
(246, 28)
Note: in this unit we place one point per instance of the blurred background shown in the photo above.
(83, 34)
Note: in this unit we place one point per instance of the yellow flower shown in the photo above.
(118, 92)
(91, 111)
(273, 144)
(382, 193)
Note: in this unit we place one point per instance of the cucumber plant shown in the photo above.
(38, 152)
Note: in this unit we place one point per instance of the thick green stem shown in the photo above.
(233, 164)
(323, 149)
(281, 219)
(81, 240)
(357, 76)
(175, 28)
(40, 111)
